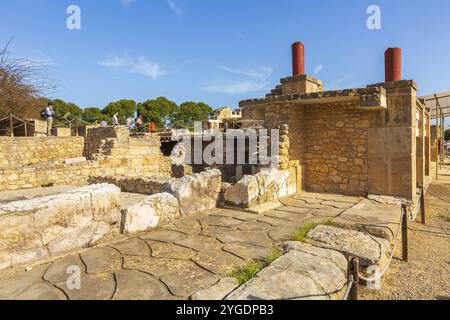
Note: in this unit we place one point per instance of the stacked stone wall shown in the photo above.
(335, 150)
(32, 165)
(25, 151)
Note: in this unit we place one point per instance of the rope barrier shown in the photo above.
(413, 210)
(436, 195)
(379, 276)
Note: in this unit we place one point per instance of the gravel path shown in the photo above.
(427, 275)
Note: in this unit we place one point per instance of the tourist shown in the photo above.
(138, 123)
(128, 123)
(115, 119)
(49, 114)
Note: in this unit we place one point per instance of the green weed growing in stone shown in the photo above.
(246, 272)
(274, 254)
(300, 234)
(250, 269)
(445, 217)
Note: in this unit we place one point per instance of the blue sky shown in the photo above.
(221, 52)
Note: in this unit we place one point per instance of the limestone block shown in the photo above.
(75, 160)
(379, 216)
(369, 249)
(243, 193)
(336, 257)
(266, 186)
(196, 193)
(32, 229)
(153, 211)
(296, 276)
(105, 202)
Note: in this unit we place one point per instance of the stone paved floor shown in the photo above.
(176, 261)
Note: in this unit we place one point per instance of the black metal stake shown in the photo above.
(405, 233)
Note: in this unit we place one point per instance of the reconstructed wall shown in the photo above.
(335, 149)
(355, 141)
(22, 151)
(329, 141)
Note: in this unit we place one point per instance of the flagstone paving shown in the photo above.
(176, 261)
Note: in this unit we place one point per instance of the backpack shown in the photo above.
(44, 114)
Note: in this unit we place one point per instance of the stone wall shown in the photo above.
(335, 149)
(48, 226)
(95, 136)
(354, 141)
(25, 151)
(142, 185)
(123, 156)
(329, 141)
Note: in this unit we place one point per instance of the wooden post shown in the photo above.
(11, 124)
(437, 140)
(405, 233)
(26, 129)
(422, 206)
(354, 269)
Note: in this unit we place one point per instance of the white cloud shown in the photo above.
(340, 83)
(260, 73)
(146, 67)
(140, 65)
(240, 87)
(127, 3)
(257, 80)
(318, 69)
(176, 6)
(113, 61)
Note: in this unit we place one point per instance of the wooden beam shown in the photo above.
(441, 97)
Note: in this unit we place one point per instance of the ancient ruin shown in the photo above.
(141, 218)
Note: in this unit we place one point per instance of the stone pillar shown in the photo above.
(393, 64)
(298, 59)
(427, 144)
(392, 142)
(420, 147)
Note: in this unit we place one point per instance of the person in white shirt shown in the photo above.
(128, 123)
(50, 114)
(115, 119)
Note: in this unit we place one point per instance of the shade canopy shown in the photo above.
(438, 101)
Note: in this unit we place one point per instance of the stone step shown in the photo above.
(372, 251)
(378, 219)
(304, 273)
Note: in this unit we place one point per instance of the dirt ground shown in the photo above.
(427, 274)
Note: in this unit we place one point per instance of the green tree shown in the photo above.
(447, 135)
(160, 111)
(189, 112)
(94, 114)
(125, 108)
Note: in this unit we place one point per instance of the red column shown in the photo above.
(298, 59)
(393, 64)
